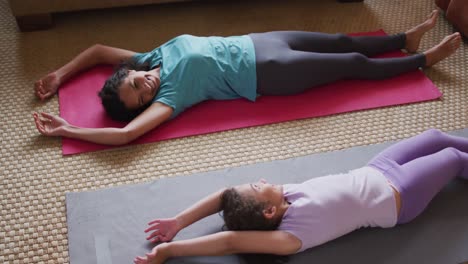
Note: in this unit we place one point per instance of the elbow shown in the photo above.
(230, 243)
(97, 47)
(98, 50)
(120, 137)
(127, 136)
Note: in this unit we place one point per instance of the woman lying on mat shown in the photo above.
(153, 87)
(393, 188)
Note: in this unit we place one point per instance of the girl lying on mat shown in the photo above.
(151, 88)
(393, 188)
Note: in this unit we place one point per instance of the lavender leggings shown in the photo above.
(419, 167)
(290, 62)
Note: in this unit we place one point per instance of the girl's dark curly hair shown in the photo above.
(109, 93)
(245, 213)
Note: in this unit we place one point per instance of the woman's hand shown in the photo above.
(157, 256)
(46, 86)
(164, 230)
(50, 125)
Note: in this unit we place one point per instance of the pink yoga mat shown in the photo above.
(80, 105)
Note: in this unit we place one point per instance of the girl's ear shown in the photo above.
(269, 212)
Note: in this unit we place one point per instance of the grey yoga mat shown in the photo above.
(106, 226)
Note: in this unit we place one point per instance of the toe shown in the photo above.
(434, 14)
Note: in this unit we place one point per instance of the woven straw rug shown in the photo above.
(34, 175)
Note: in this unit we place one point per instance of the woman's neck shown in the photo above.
(156, 71)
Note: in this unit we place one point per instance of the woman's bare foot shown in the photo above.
(414, 35)
(442, 50)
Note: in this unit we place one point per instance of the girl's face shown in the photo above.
(139, 88)
(262, 191)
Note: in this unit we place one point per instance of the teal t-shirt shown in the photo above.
(195, 69)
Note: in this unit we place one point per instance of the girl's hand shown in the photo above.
(46, 86)
(164, 230)
(49, 125)
(156, 256)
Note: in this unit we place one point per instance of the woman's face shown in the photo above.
(263, 192)
(139, 88)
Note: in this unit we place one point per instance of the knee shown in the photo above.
(433, 132)
(451, 152)
(358, 59)
(344, 40)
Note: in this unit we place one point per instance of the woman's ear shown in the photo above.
(269, 212)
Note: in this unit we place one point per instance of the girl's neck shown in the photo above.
(283, 208)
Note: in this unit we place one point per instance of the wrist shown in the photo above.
(179, 223)
(165, 251)
(59, 76)
(66, 131)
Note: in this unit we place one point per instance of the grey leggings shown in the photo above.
(290, 62)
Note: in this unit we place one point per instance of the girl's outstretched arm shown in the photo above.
(153, 116)
(163, 230)
(96, 54)
(225, 243)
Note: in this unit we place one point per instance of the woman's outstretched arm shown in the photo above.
(163, 230)
(225, 243)
(153, 116)
(96, 54)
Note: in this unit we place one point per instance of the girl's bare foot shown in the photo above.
(442, 50)
(414, 35)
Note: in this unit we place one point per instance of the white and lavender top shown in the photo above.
(322, 209)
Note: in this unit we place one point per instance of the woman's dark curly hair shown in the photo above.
(245, 213)
(109, 93)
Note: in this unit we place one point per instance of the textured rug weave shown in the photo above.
(35, 177)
